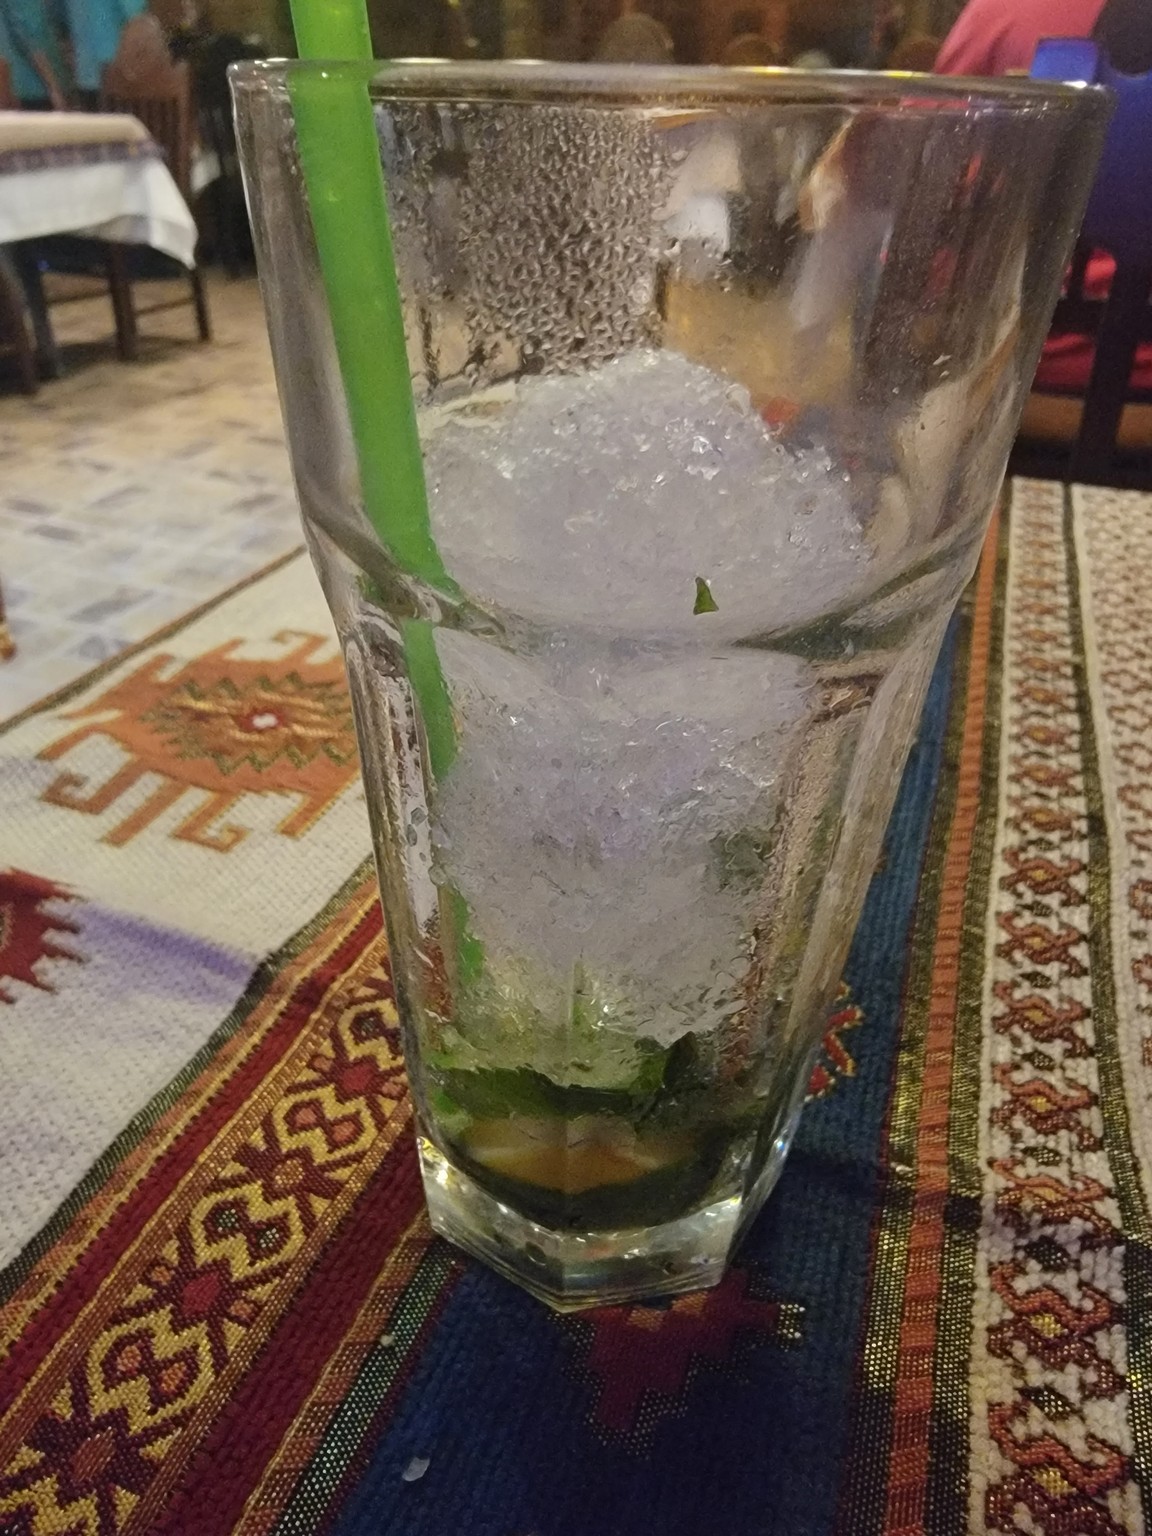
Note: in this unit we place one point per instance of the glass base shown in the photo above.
(571, 1271)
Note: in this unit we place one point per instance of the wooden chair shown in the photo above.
(144, 81)
(1055, 413)
(1119, 221)
(7, 644)
(231, 239)
(14, 341)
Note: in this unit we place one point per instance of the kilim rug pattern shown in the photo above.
(221, 1308)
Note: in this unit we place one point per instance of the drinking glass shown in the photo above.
(716, 374)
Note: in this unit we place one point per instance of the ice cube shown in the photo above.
(620, 761)
(597, 500)
(585, 817)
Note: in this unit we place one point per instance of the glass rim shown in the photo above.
(680, 87)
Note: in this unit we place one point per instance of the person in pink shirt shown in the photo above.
(999, 37)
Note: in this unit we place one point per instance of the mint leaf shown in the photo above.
(705, 602)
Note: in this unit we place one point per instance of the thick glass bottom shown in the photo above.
(574, 1270)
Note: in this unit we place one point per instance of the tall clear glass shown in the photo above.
(716, 376)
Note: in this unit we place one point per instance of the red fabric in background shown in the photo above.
(992, 37)
(1066, 363)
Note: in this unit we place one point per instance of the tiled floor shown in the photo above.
(129, 493)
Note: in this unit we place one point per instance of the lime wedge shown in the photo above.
(571, 1157)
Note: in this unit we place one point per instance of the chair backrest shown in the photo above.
(1119, 216)
(7, 96)
(210, 59)
(144, 80)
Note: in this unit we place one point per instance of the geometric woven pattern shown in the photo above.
(221, 1307)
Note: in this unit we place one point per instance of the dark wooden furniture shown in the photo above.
(1119, 221)
(229, 235)
(146, 82)
(15, 342)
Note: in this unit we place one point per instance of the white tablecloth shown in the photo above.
(132, 199)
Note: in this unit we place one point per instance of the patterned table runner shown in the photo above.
(42, 140)
(223, 1309)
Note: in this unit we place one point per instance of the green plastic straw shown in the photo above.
(331, 29)
(340, 158)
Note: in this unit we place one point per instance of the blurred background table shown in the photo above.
(91, 173)
(223, 1311)
(99, 175)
